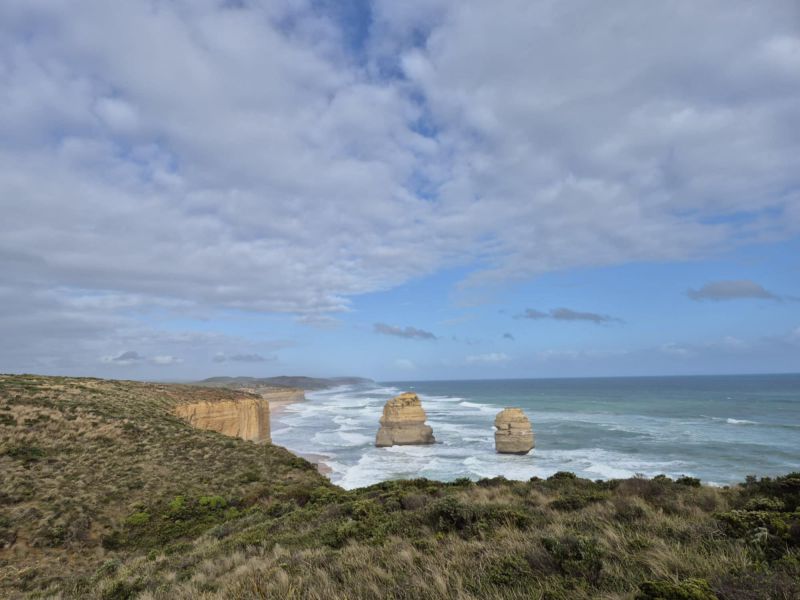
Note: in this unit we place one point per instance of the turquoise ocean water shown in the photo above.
(717, 428)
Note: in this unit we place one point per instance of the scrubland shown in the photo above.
(106, 494)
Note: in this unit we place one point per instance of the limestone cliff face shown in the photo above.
(246, 418)
(514, 434)
(403, 423)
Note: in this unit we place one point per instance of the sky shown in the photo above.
(427, 189)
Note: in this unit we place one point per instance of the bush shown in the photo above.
(690, 589)
(508, 571)
(137, 518)
(562, 476)
(688, 481)
(576, 556)
(27, 454)
(212, 502)
(575, 501)
(762, 503)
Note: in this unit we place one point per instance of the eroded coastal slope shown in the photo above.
(106, 493)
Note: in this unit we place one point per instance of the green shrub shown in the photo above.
(25, 453)
(562, 476)
(690, 589)
(688, 481)
(761, 503)
(137, 518)
(178, 508)
(575, 501)
(212, 502)
(576, 555)
(508, 571)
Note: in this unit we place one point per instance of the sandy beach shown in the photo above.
(278, 401)
(276, 406)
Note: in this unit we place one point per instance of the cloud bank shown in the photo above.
(206, 156)
(403, 332)
(731, 290)
(567, 314)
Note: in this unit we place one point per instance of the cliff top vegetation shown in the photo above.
(106, 494)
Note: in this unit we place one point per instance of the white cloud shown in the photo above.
(673, 349)
(489, 358)
(212, 158)
(551, 354)
(166, 360)
(405, 364)
(126, 358)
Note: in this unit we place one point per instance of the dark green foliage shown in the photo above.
(123, 590)
(450, 515)
(576, 501)
(508, 571)
(767, 517)
(25, 453)
(688, 481)
(576, 554)
(785, 489)
(181, 517)
(7, 533)
(690, 589)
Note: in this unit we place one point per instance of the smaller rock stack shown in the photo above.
(514, 434)
(403, 423)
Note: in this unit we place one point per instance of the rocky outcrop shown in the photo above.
(403, 423)
(514, 434)
(245, 417)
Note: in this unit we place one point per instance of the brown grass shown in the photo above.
(106, 495)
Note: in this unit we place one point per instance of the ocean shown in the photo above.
(717, 428)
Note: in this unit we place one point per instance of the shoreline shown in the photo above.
(317, 460)
(277, 406)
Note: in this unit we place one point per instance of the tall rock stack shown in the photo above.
(403, 423)
(514, 434)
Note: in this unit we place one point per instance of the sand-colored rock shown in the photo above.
(276, 394)
(245, 417)
(514, 434)
(403, 423)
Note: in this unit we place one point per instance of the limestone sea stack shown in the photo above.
(514, 434)
(246, 418)
(403, 423)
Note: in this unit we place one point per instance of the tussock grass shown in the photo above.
(109, 496)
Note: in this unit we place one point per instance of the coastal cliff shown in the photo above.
(246, 418)
(403, 423)
(103, 495)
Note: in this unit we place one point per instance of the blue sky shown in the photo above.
(421, 190)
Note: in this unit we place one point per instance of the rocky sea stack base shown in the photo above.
(514, 434)
(403, 423)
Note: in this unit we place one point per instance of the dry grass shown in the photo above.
(103, 510)
(78, 456)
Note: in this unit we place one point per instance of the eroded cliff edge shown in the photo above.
(245, 417)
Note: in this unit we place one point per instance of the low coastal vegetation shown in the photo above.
(106, 494)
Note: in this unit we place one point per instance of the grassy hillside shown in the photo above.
(104, 494)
